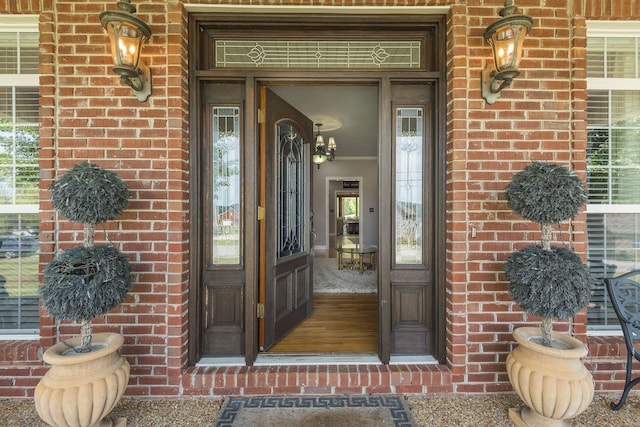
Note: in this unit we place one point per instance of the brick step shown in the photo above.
(320, 379)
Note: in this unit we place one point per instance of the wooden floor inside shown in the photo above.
(340, 323)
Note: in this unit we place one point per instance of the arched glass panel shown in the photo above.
(291, 182)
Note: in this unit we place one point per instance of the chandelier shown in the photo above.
(323, 152)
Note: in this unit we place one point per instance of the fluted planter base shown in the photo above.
(552, 382)
(80, 389)
(525, 417)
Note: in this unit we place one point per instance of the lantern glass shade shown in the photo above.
(126, 42)
(319, 158)
(506, 44)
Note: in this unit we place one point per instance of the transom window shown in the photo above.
(355, 54)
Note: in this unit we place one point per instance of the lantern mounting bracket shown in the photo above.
(491, 85)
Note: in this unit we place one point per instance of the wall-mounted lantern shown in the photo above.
(127, 34)
(506, 37)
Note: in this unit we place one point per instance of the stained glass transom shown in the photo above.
(317, 54)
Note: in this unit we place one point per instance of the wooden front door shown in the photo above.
(286, 261)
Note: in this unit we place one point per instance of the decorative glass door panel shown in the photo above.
(227, 208)
(291, 181)
(409, 140)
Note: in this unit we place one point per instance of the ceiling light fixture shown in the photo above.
(127, 34)
(323, 152)
(506, 38)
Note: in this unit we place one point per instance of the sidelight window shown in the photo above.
(227, 209)
(409, 140)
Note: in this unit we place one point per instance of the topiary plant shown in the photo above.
(88, 281)
(90, 195)
(547, 281)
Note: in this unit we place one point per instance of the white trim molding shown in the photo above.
(18, 23)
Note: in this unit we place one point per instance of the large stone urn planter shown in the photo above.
(80, 389)
(553, 382)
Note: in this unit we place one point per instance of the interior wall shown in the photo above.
(348, 168)
(332, 208)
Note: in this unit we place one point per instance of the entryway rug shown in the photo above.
(316, 411)
(328, 279)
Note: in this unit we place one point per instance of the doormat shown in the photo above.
(316, 411)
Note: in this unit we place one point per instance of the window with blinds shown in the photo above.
(19, 176)
(613, 156)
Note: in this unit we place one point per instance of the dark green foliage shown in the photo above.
(82, 283)
(545, 193)
(89, 194)
(551, 284)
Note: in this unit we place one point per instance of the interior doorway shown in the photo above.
(345, 304)
(344, 212)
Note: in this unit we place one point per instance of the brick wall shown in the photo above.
(532, 120)
(87, 114)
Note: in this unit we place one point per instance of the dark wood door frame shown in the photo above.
(202, 72)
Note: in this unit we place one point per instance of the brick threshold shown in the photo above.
(317, 379)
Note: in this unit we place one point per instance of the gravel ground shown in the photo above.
(428, 411)
(493, 412)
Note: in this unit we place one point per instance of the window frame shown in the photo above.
(19, 24)
(340, 200)
(612, 29)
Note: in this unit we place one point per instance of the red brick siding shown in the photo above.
(86, 114)
(457, 94)
(532, 120)
(357, 379)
